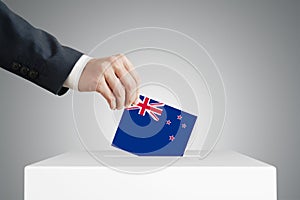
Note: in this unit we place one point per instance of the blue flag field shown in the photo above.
(152, 128)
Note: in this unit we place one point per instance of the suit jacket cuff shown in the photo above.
(73, 79)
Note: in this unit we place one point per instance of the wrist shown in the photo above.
(72, 81)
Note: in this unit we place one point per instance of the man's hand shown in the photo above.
(114, 78)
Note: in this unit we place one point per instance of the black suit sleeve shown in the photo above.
(34, 54)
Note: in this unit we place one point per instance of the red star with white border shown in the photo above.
(183, 125)
(171, 138)
(168, 122)
(179, 117)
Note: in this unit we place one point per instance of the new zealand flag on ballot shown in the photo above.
(151, 128)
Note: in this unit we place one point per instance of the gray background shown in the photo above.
(255, 43)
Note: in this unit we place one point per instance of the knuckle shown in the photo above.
(117, 66)
(108, 73)
(111, 59)
(119, 92)
(105, 65)
(120, 72)
(121, 55)
(111, 99)
(131, 87)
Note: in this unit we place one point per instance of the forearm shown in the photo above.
(34, 54)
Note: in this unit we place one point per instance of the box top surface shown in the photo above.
(105, 158)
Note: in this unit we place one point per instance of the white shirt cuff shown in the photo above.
(73, 78)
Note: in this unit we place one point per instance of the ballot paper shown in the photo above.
(152, 128)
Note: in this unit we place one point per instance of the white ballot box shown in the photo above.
(222, 175)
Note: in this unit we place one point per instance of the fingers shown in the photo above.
(117, 80)
(130, 68)
(128, 83)
(116, 87)
(104, 89)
